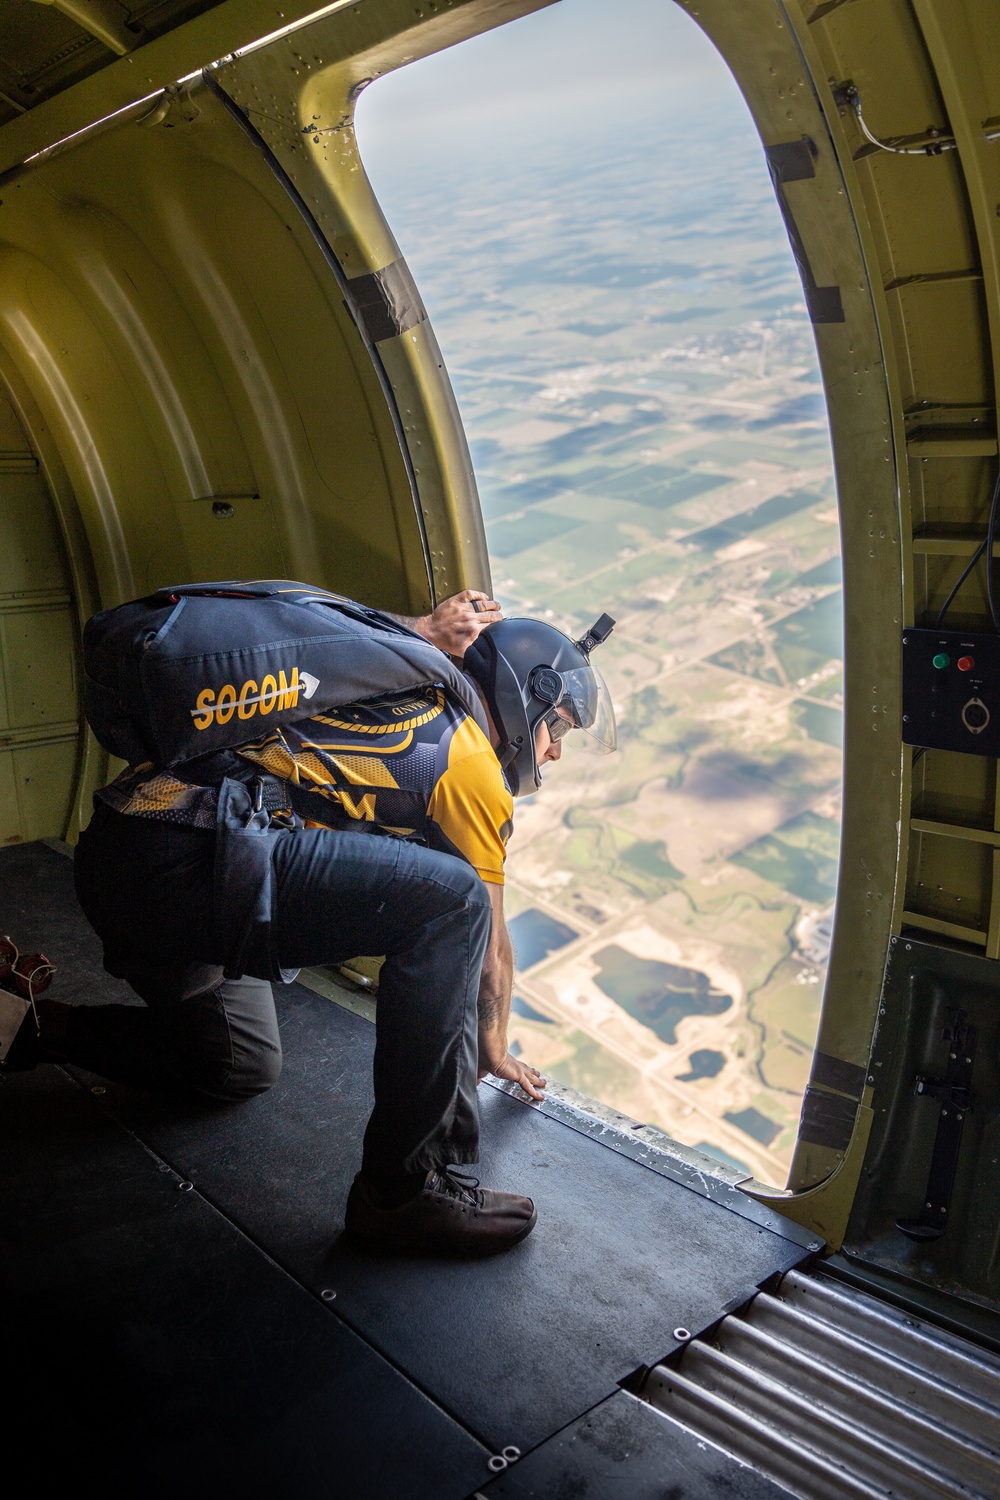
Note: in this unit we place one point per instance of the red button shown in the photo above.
(965, 663)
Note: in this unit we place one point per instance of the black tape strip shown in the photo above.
(824, 304)
(387, 301)
(827, 1119)
(834, 1073)
(794, 161)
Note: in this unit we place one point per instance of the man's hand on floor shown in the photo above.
(521, 1073)
(457, 621)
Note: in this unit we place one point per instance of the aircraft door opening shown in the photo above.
(627, 331)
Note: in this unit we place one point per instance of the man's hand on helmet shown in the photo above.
(457, 621)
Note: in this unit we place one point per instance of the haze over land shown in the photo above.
(604, 264)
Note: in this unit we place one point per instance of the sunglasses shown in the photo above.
(557, 726)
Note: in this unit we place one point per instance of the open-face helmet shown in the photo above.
(527, 670)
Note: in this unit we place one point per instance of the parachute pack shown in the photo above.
(205, 667)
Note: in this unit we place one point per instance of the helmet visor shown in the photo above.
(585, 694)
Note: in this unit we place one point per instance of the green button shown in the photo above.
(941, 660)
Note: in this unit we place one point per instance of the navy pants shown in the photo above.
(146, 888)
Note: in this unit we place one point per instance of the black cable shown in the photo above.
(985, 546)
(964, 575)
(991, 531)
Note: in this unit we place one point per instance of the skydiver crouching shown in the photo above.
(416, 768)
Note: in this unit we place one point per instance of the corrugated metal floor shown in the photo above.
(837, 1395)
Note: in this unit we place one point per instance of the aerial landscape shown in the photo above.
(623, 323)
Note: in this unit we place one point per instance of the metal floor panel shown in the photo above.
(623, 1451)
(38, 907)
(513, 1348)
(152, 1348)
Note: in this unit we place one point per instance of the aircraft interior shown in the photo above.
(216, 364)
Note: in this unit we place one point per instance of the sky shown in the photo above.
(593, 65)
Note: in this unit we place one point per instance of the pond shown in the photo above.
(536, 935)
(703, 1064)
(520, 1007)
(754, 1124)
(657, 994)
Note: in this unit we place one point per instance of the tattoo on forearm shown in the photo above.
(491, 1010)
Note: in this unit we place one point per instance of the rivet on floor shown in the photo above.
(497, 1463)
(98, 1088)
(327, 1294)
(681, 1335)
(184, 1187)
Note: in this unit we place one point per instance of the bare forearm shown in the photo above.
(495, 987)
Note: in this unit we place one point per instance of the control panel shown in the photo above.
(951, 691)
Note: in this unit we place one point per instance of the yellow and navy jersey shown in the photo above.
(413, 764)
